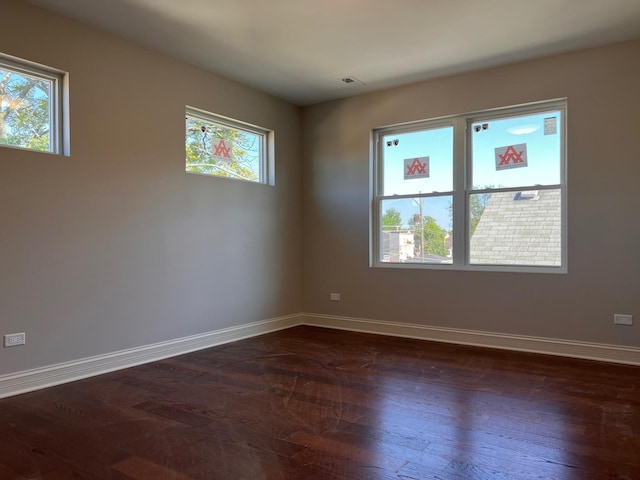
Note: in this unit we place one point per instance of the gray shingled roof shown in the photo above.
(517, 230)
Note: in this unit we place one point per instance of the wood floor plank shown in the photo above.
(136, 467)
(311, 403)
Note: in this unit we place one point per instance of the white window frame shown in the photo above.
(462, 167)
(59, 137)
(266, 164)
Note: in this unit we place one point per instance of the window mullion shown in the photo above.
(459, 198)
(375, 221)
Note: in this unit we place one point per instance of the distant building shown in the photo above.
(397, 246)
(448, 243)
(519, 228)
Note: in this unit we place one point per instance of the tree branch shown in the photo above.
(230, 172)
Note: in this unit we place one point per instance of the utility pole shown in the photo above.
(421, 231)
(419, 203)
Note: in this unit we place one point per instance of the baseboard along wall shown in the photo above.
(29, 380)
(35, 379)
(520, 343)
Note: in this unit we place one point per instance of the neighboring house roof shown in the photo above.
(519, 228)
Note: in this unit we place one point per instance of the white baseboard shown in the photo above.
(29, 380)
(550, 346)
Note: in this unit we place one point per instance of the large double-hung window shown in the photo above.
(484, 191)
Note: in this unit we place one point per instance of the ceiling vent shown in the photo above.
(351, 80)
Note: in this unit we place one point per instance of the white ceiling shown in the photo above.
(300, 49)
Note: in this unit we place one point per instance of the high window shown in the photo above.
(31, 115)
(227, 148)
(484, 191)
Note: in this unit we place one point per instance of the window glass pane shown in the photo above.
(516, 228)
(418, 162)
(224, 151)
(516, 151)
(416, 230)
(25, 110)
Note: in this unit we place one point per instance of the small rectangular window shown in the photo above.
(227, 148)
(483, 191)
(31, 114)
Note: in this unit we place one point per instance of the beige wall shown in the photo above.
(116, 246)
(602, 87)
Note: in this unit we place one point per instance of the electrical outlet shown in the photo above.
(334, 297)
(619, 319)
(15, 339)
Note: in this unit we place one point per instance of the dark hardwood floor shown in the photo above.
(310, 403)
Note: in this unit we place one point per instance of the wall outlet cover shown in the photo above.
(620, 319)
(15, 339)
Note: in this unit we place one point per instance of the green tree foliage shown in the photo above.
(476, 209)
(24, 110)
(478, 202)
(391, 220)
(200, 138)
(433, 236)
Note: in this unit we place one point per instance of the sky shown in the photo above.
(540, 133)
